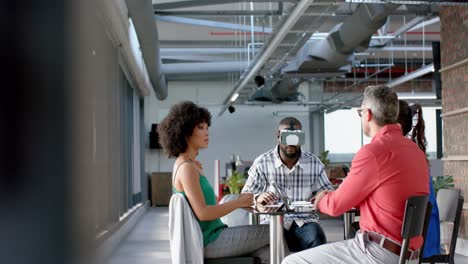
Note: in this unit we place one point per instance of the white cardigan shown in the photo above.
(185, 234)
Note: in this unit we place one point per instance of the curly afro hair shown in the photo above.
(177, 127)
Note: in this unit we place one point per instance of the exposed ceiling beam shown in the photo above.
(411, 2)
(412, 75)
(194, 3)
(210, 23)
(218, 13)
(426, 23)
(267, 51)
(200, 58)
(195, 43)
(403, 29)
(402, 48)
(263, 103)
(212, 51)
(204, 67)
(199, 77)
(199, 51)
(348, 88)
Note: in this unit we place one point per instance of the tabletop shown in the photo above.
(279, 210)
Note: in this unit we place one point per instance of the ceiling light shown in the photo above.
(234, 97)
(416, 96)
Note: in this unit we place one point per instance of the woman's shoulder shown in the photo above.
(183, 164)
(186, 167)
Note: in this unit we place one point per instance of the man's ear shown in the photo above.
(370, 115)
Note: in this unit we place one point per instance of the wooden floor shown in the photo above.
(148, 242)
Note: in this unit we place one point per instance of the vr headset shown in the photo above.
(292, 137)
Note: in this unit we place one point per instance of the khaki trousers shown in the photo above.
(358, 250)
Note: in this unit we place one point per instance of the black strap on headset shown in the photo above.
(291, 125)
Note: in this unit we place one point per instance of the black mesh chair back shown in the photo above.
(425, 227)
(413, 222)
(450, 202)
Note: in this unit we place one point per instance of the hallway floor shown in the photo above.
(148, 242)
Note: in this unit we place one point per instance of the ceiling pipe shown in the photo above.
(303, 103)
(405, 28)
(267, 51)
(348, 88)
(331, 56)
(413, 75)
(192, 3)
(195, 51)
(204, 67)
(218, 13)
(141, 12)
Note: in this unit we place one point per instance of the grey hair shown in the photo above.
(383, 103)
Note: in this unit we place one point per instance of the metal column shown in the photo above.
(276, 239)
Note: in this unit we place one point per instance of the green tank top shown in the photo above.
(210, 229)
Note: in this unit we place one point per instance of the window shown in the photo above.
(343, 135)
(429, 115)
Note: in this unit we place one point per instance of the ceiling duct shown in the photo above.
(335, 52)
(141, 12)
(328, 57)
(277, 90)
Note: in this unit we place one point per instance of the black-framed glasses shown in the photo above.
(359, 111)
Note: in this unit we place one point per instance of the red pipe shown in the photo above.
(236, 33)
(417, 33)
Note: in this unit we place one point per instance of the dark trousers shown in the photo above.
(308, 236)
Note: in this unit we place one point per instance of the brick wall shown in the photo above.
(454, 48)
(454, 34)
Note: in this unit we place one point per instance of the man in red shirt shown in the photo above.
(384, 173)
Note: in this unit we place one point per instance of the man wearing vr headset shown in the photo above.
(298, 175)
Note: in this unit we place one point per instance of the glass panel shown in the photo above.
(429, 115)
(343, 137)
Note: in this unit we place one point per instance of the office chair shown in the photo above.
(185, 236)
(413, 222)
(450, 202)
(427, 218)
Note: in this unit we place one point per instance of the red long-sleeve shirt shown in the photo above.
(384, 173)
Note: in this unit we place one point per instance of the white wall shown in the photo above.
(248, 132)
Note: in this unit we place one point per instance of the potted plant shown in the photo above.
(235, 182)
(324, 158)
(442, 182)
(326, 162)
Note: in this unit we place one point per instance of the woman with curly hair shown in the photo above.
(183, 132)
(417, 135)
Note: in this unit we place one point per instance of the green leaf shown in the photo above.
(324, 158)
(443, 182)
(235, 181)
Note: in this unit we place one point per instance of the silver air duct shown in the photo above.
(141, 12)
(276, 91)
(331, 56)
(335, 52)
